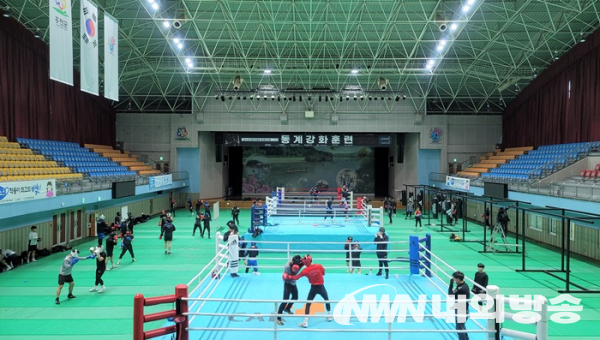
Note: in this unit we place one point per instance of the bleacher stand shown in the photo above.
(537, 164)
(19, 163)
(125, 159)
(78, 159)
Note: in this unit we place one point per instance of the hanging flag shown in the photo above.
(111, 57)
(89, 47)
(61, 41)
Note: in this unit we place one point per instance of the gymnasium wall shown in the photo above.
(455, 136)
(78, 223)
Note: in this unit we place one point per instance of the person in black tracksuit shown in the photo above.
(127, 246)
(111, 241)
(482, 279)
(206, 221)
(100, 269)
(242, 251)
(101, 228)
(381, 239)
(460, 292)
(235, 214)
(131, 221)
(167, 231)
(290, 290)
(198, 223)
(161, 219)
(328, 209)
(173, 205)
(198, 205)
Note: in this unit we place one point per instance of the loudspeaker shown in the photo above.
(404, 197)
(219, 138)
(390, 159)
(399, 139)
(218, 153)
(159, 192)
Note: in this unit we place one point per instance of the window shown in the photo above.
(554, 225)
(535, 222)
(572, 237)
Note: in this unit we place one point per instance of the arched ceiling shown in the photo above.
(494, 51)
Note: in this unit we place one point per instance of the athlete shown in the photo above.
(100, 255)
(344, 205)
(167, 231)
(290, 290)
(314, 273)
(65, 273)
(329, 209)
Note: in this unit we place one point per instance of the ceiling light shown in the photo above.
(151, 1)
(443, 42)
(404, 97)
(440, 47)
(166, 24)
(180, 45)
(6, 12)
(155, 6)
(355, 71)
(582, 38)
(272, 97)
(267, 71)
(470, 2)
(466, 8)
(176, 40)
(188, 60)
(37, 34)
(453, 27)
(429, 67)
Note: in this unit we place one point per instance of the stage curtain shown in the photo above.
(549, 112)
(33, 106)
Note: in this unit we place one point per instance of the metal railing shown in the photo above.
(68, 187)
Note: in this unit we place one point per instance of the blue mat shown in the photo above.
(270, 287)
(310, 230)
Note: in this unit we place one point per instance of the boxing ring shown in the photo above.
(220, 307)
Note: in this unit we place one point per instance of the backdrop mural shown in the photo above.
(300, 168)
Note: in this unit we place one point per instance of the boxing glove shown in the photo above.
(90, 256)
(295, 269)
(285, 276)
(160, 237)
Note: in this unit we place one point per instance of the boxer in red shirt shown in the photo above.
(314, 273)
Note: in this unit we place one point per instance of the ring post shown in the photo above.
(181, 291)
(414, 254)
(492, 323)
(138, 317)
(428, 254)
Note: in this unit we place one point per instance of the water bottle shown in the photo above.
(371, 271)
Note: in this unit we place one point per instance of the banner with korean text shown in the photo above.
(61, 41)
(11, 192)
(458, 183)
(89, 47)
(111, 57)
(160, 181)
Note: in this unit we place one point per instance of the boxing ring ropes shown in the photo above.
(421, 261)
(278, 205)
